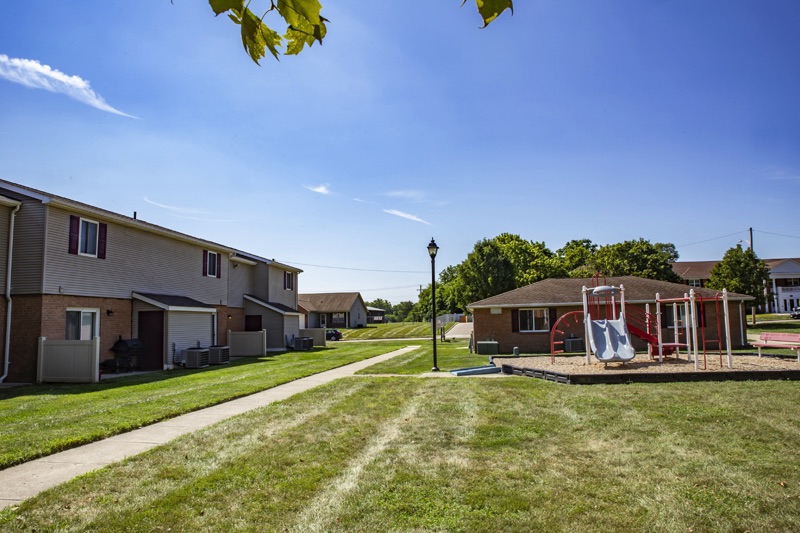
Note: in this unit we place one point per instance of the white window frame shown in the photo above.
(83, 311)
(211, 264)
(82, 237)
(695, 283)
(533, 312)
(288, 280)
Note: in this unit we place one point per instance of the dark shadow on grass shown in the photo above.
(62, 389)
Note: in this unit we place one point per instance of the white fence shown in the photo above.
(248, 343)
(68, 361)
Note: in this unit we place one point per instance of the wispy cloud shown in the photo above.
(416, 196)
(188, 213)
(408, 216)
(323, 188)
(176, 209)
(31, 73)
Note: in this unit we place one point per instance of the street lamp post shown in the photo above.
(432, 249)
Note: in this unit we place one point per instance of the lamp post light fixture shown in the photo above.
(432, 249)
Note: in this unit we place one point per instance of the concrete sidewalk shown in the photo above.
(24, 481)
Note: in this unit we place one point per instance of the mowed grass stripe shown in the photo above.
(511, 454)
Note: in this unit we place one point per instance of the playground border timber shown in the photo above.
(660, 377)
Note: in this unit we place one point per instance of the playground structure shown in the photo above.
(608, 326)
(608, 338)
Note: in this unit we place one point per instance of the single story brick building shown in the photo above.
(524, 317)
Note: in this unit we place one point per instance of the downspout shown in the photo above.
(7, 344)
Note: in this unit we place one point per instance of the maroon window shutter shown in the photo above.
(219, 265)
(515, 320)
(553, 317)
(74, 233)
(102, 235)
(205, 262)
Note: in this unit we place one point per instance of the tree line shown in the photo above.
(508, 261)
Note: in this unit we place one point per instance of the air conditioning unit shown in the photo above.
(195, 357)
(219, 355)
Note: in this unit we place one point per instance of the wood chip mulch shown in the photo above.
(642, 364)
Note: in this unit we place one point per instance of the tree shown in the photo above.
(532, 261)
(743, 272)
(485, 272)
(576, 258)
(637, 258)
(380, 303)
(304, 24)
(401, 311)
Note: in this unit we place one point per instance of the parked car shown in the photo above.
(333, 334)
(795, 313)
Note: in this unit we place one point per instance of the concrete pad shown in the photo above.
(24, 481)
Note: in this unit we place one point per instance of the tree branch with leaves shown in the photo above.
(303, 22)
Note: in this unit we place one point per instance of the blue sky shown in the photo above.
(674, 121)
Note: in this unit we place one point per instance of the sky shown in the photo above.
(670, 120)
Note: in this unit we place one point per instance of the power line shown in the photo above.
(356, 269)
(777, 234)
(712, 239)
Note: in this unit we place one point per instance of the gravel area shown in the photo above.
(573, 364)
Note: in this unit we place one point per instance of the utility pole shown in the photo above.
(751, 239)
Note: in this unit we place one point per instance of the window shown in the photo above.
(87, 237)
(695, 283)
(534, 319)
(337, 319)
(88, 241)
(212, 264)
(81, 324)
(288, 281)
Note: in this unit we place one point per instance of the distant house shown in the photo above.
(375, 315)
(333, 310)
(79, 272)
(525, 317)
(783, 289)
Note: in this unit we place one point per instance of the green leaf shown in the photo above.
(221, 6)
(305, 23)
(295, 11)
(491, 9)
(257, 37)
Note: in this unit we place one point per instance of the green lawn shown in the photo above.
(450, 355)
(508, 454)
(394, 330)
(788, 327)
(38, 420)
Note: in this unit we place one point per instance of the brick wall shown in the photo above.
(46, 316)
(498, 327)
(234, 323)
(26, 323)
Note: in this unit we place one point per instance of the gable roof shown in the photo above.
(174, 302)
(694, 269)
(86, 209)
(277, 307)
(555, 292)
(329, 302)
(702, 269)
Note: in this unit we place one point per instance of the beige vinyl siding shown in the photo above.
(240, 282)
(273, 323)
(186, 329)
(136, 261)
(277, 293)
(26, 272)
(5, 218)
